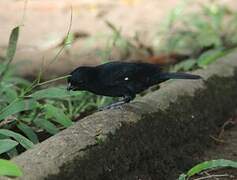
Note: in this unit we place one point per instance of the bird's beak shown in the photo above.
(70, 87)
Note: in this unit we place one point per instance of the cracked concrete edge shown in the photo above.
(47, 157)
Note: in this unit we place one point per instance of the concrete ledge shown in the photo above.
(154, 137)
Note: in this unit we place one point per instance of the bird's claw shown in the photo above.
(116, 105)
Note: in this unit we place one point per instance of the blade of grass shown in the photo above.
(26, 143)
(58, 115)
(206, 165)
(28, 131)
(18, 106)
(37, 83)
(54, 92)
(8, 168)
(46, 125)
(219, 163)
(65, 44)
(7, 144)
(11, 50)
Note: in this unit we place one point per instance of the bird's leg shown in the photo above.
(112, 106)
(126, 99)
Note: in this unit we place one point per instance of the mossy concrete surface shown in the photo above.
(157, 136)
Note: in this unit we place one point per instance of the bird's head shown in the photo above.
(79, 78)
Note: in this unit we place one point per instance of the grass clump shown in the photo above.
(30, 114)
(203, 35)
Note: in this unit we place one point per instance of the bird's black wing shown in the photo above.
(136, 76)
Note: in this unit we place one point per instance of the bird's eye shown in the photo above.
(126, 78)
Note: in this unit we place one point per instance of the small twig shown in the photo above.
(7, 121)
(208, 174)
(24, 13)
(53, 80)
(42, 70)
(37, 84)
(213, 176)
(62, 48)
(37, 81)
(228, 122)
(217, 139)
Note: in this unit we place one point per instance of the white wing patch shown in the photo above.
(126, 78)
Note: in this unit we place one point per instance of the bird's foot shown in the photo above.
(116, 105)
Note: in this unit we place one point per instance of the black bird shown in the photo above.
(120, 79)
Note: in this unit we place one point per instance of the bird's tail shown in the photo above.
(178, 75)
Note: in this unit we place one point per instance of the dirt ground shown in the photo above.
(46, 23)
(225, 148)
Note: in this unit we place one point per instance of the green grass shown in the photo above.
(8, 168)
(27, 109)
(206, 34)
(208, 165)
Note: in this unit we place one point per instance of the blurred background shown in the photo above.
(106, 29)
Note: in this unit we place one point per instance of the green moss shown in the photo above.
(162, 144)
